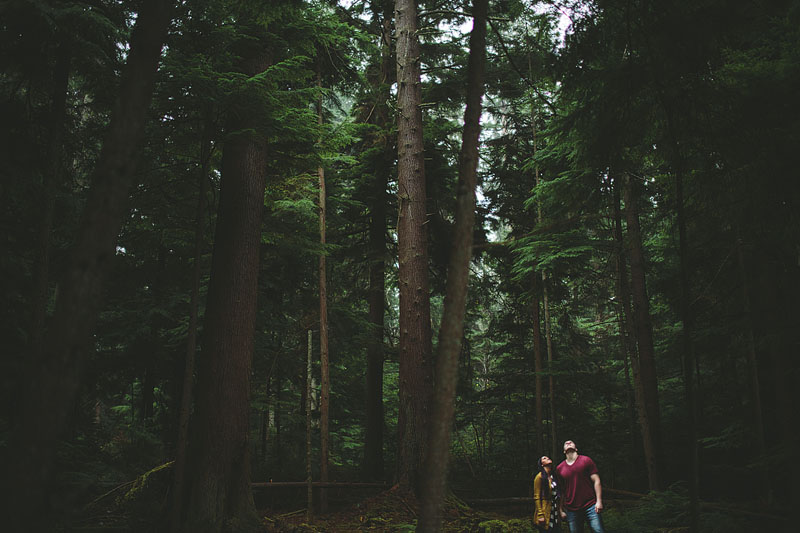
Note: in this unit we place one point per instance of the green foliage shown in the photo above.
(668, 510)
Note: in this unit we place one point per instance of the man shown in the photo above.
(582, 493)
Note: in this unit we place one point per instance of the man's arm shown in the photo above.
(598, 492)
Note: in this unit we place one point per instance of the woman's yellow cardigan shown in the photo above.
(542, 501)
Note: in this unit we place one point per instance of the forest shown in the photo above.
(356, 265)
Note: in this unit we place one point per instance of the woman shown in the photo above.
(545, 496)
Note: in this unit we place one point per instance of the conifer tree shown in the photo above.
(452, 328)
(415, 323)
(55, 373)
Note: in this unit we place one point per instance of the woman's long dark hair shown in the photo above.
(553, 476)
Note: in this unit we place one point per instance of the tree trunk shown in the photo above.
(373, 438)
(546, 306)
(181, 444)
(51, 181)
(689, 363)
(434, 480)
(53, 377)
(277, 449)
(627, 331)
(415, 371)
(538, 365)
(752, 360)
(154, 350)
(630, 395)
(325, 385)
(309, 477)
(537, 320)
(550, 371)
(265, 423)
(219, 491)
(644, 336)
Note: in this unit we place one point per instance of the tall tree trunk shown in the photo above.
(752, 360)
(219, 490)
(630, 395)
(309, 477)
(51, 181)
(538, 365)
(278, 450)
(54, 375)
(373, 441)
(546, 307)
(325, 385)
(548, 335)
(154, 350)
(373, 438)
(434, 481)
(416, 378)
(644, 336)
(181, 444)
(627, 330)
(262, 455)
(689, 365)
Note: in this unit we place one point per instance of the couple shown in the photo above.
(574, 487)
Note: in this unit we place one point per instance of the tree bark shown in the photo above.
(688, 359)
(325, 384)
(644, 336)
(415, 371)
(309, 477)
(537, 320)
(53, 377)
(181, 444)
(219, 491)
(154, 350)
(51, 181)
(546, 307)
(278, 450)
(627, 330)
(751, 357)
(550, 378)
(538, 365)
(373, 438)
(265, 421)
(434, 481)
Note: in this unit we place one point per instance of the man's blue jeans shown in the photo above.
(575, 520)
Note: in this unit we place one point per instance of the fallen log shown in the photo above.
(320, 484)
(498, 501)
(519, 501)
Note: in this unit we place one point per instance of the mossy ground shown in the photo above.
(395, 511)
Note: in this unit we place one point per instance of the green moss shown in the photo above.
(451, 500)
(520, 525)
(493, 526)
(512, 526)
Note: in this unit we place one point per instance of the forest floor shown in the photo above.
(392, 511)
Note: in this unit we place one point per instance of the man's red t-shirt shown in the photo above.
(577, 485)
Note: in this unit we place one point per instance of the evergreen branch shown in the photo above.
(522, 76)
